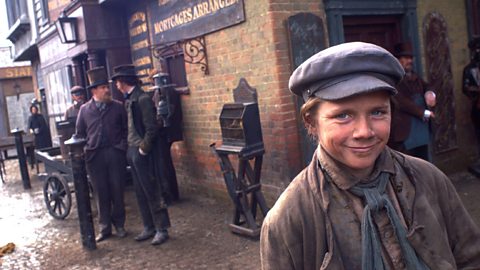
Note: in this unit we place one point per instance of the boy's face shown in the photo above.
(355, 130)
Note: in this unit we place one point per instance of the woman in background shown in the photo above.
(38, 126)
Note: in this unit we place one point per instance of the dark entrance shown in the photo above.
(383, 31)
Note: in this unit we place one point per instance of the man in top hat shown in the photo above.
(78, 99)
(360, 204)
(413, 109)
(471, 88)
(142, 155)
(169, 118)
(103, 122)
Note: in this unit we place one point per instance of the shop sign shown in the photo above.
(140, 45)
(179, 20)
(15, 72)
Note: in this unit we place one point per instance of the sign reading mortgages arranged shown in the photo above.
(175, 20)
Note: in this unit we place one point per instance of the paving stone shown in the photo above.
(200, 238)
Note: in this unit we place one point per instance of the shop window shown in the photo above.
(57, 93)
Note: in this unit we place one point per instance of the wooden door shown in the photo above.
(383, 31)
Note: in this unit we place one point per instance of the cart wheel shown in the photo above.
(57, 196)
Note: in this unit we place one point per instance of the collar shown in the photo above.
(129, 92)
(342, 178)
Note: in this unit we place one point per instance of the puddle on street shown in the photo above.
(24, 219)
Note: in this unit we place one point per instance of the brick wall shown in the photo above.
(256, 50)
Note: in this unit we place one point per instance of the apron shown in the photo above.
(419, 129)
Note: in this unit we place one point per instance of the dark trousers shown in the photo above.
(152, 206)
(107, 170)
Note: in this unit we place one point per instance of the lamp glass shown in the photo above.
(66, 28)
(69, 29)
(61, 34)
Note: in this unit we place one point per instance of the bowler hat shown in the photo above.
(345, 70)
(474, 43)
(403, 49)
(77, 89)
(123, 71)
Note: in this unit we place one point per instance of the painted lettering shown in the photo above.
(140, 45)
(15, 72)
(143, 61)
(187, 15)
(142, 28)
(137, 16)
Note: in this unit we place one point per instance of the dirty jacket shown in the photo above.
(314, 224)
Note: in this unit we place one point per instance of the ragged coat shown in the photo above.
(315, 224)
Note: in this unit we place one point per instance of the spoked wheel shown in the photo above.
(57, 196)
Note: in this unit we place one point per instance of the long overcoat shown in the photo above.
(314, 224)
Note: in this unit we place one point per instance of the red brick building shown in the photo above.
(261, 41)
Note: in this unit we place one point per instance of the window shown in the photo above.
(176, 68)
(44, 11)
(15, 10)
(57, 93)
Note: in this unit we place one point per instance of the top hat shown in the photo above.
(97, 76)
(474, 43)
(123, 71)
(403, 49)
(77, 89)
(346, 70)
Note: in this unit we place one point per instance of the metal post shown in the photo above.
(80, 181)
(22, 158)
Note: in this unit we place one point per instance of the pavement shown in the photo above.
(199, 236)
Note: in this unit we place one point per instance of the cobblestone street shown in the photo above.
(200, 238)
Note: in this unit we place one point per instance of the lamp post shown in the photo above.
(67, 29)
(17, 89)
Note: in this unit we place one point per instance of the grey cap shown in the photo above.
(345, 70)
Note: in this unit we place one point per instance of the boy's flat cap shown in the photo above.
(345, 70)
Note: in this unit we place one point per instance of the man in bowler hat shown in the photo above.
(413, 109)
(103, 122)
(360, 204)
(142, 156)
(471, 88)
(78, 98)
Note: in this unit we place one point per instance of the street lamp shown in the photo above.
(17, 89)
(66, 28)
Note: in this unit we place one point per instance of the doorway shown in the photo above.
(384, 31)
